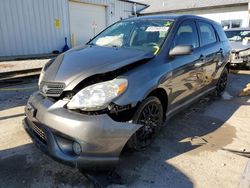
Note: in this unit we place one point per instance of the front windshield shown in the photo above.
(238, 35)
(147, 35)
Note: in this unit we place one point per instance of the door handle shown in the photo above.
(201, 61)
(202, 58)
(220, 51)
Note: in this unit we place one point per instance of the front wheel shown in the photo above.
(150, 115)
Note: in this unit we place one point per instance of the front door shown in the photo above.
(185, 78)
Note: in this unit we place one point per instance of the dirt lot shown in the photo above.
(191, 151)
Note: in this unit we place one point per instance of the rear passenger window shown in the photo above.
(187, 35)
(207, 33)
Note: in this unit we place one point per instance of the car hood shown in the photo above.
(238, 46)
(79, 63)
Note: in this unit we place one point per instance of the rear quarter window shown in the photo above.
(221, 32)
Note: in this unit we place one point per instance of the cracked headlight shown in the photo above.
(98, 96)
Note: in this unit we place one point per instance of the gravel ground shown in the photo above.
(191, 150)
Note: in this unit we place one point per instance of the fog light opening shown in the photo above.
(77, 148)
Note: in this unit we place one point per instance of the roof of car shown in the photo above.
(170, 17)
(239, 29)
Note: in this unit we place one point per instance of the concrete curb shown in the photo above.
(5, 76)
(20, 69)
(245, 179)
(24, 65)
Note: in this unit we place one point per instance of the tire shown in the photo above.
(222, 83)
(150, 115)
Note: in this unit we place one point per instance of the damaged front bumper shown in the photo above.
(55, 129)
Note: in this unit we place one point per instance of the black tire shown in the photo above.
(150, 115)
(222, 83)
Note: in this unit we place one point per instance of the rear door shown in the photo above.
(212, 52)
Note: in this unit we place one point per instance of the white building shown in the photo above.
(230, 13)
(35, 27)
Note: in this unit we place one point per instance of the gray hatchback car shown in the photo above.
(118, 89)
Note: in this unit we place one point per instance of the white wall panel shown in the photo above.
(157, 6)
(224, 13)
(115, 9)
(239, 15)
(86, 20)
(27, 27)
(122, 10)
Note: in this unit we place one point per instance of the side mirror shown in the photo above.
(181, 50)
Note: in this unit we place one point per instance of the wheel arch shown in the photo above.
(161, 94)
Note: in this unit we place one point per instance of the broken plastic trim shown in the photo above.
(115, 109)
(116, 112)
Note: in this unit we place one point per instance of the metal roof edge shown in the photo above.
(129, 1)
(192, 9)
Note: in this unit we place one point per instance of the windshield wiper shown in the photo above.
(92, 44)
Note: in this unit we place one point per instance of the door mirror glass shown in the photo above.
(181, 50)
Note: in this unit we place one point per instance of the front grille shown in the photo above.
(51, 89)
(39, 132)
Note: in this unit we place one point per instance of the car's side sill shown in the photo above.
(172, 112)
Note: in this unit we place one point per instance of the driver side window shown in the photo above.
(186, 35)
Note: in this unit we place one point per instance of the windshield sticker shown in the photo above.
(156, 29)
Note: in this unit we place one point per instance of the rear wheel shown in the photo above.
(222, 83)
(150, 115)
